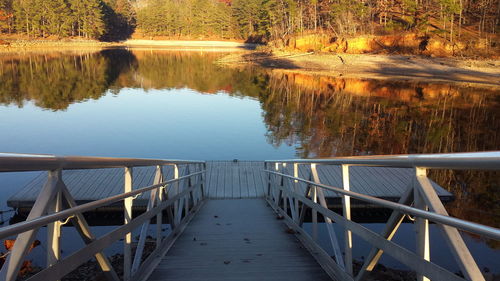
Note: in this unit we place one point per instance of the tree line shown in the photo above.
(98, 19)
(246, 19)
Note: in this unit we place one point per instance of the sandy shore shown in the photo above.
(39, 46)
(16, 46)
(485, 72)
(184, 43)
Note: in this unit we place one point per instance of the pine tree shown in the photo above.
(87, 18)
(56, 18)
(25, 12)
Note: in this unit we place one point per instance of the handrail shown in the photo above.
(489, 160)
(419, 199)
(55, 195)
(44, 220)
(13, 162)
(487, 231)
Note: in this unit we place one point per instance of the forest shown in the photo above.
(251, 20)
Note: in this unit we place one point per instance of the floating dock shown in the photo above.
(224, 180)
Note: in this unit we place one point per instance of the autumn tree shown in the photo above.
(6, 16)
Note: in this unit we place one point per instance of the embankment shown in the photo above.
(408, 43)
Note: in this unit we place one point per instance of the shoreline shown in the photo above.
(369, 66)
(189, 43)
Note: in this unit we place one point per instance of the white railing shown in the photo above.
(180, 197)
(419, 200)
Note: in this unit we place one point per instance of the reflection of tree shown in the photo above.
(343, 117)
(194, 70)
(55, 82)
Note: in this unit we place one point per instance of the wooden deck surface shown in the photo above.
(225, 180)
(237, 240)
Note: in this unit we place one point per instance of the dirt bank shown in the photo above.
(485, 72)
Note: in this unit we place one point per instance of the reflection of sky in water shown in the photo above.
(174, 124)
(168, 124)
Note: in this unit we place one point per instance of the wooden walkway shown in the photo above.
(225, 180)
(237, 240)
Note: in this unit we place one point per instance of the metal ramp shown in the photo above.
(241, 239)
(237, 239)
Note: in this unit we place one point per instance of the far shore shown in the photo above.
(400, 67)
(370, 66)
(190, 43)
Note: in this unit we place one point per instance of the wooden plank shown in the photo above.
(235, 177)
(220, 180)
(228, 181)
(31, 187)
(71, 178)
(237, 240)
(244, 186)
(106, 189)
(76, 189)
(385, 177)
(117, 177)
(209, 188)
(251, 182)
(260, 180)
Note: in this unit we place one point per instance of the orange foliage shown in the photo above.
(27, 265)
(5, 16)
(10, 243)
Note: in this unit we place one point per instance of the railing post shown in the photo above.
(346, 208)
(314, 195)
(275, 196)
(451, 234)
(24, 240)
(176, 187)
(296, 188)
(203, 176)
(421, 225)
(159, 217)
(187, 185)
(285, 197)
(328, 221)
(266, 167)
(127, 246)
(54, 229)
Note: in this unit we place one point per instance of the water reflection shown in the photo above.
(322, 116)
(342, 117)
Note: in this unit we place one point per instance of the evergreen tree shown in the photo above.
(88, 18)
(56, 18)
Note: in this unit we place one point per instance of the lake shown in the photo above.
(152, 103)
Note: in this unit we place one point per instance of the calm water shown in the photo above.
(166, 104)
